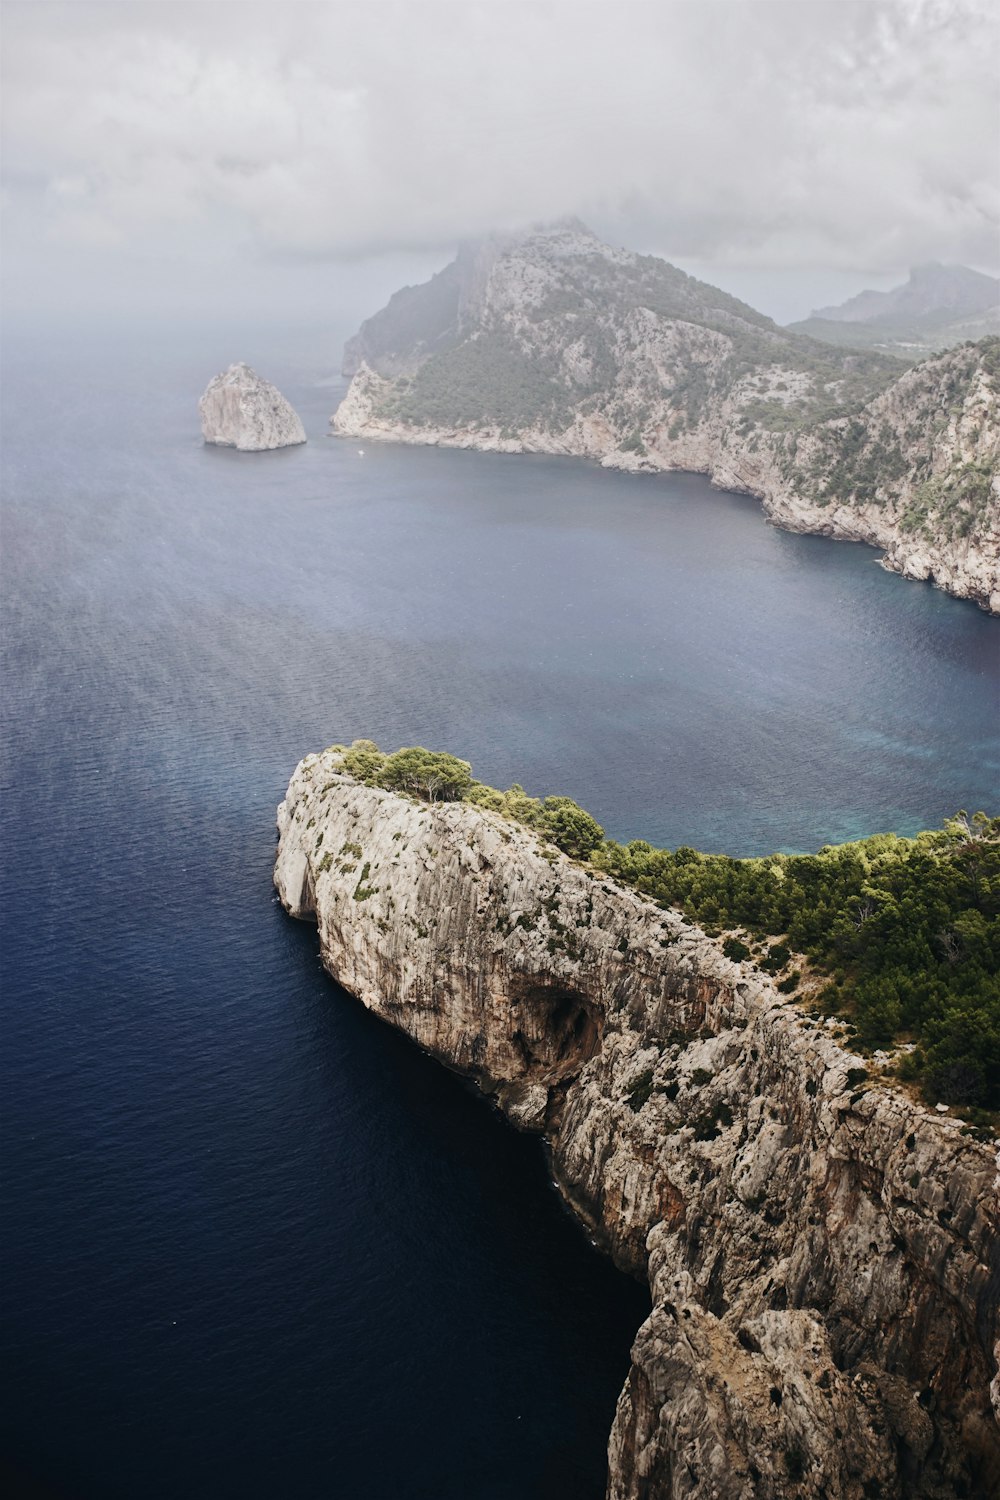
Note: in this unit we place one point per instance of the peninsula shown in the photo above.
(821, 1248)
(554, 342)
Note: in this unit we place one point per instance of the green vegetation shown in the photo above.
(558, 819)
(894, 459)
(904, 934)
(434, 776)
(569, 827)
(362, 891)
(899, 936)
(426, 773)
(640, 1090)
(430, 774)
(486, 381)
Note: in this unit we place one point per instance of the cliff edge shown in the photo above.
(821, 1251)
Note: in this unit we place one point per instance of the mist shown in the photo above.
(296, 162)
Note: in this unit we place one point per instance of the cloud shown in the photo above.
(744, 132)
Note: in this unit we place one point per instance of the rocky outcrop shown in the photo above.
(821, 1251)
(241, 410)
(555, 343)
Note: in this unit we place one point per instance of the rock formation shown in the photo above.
(241, 410)
(821, 1250)
(555, 343)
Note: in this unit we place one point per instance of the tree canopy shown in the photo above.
(428, 773)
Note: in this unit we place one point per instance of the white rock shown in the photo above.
(241, 410)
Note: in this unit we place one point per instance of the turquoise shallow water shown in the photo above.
(257, 1245)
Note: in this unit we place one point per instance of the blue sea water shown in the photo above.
(255, 1244)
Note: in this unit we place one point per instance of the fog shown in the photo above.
(293, 161)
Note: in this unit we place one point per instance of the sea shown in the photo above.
(255, 1245)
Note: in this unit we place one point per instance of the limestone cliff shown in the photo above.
(555, 343)
(241, 410)
(822, 1252)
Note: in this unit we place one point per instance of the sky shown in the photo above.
(232, 159)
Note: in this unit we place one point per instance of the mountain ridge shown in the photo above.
(938, 307)
(554, 342)
(957, 291)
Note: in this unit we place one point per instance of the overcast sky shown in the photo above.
(227, 155)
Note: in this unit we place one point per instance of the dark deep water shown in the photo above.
(255, 1245)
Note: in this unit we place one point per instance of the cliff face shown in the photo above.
(822, 1253)
(556, 343)
(241, 410)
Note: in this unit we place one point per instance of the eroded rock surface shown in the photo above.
(241, 410)
(822, 1253)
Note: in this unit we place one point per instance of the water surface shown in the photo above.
(256, 1244)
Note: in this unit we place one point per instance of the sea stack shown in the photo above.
(241, 410)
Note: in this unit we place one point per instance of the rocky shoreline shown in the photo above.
(822, 1251)
(554, 342)
(967, 567)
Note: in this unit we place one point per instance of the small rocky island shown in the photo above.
(242, 410)
(821, 1248)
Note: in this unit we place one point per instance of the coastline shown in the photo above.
(967, 568)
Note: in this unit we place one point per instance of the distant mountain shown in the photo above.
(554, 342)
(938, 307)
(953, 292)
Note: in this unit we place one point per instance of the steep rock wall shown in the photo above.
(822, 1254)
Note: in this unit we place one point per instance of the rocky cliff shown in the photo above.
(241, 410)
(555, 343)
(821, 1251)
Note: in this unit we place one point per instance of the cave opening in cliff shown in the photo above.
(558, 1029)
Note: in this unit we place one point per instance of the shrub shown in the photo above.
(485, 796)
(571, 829)
(364, 761)
(776, 958)
(639, 1090)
